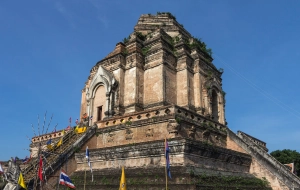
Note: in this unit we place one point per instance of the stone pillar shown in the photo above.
(119, 92)
(111, 104)
(182, 88)
(107, 105)
(90, 107)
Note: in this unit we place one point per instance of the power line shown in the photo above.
(260, 90)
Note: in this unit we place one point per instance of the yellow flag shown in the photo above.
(63, 132)
(123, 180)
(49, 146)
(59, 142)
(76, 129)
(81, 130)
(21, 181)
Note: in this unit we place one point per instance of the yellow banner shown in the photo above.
(79, 130)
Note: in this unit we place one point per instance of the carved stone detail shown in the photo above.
(206, 135)
(192, 132)
(128, 134)
(173, 127)
(149, 132)
(110, 137)
(217, 140)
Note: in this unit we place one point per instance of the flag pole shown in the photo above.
(84, 180)
(59, 179)
(166, 166)
(42, 172)
(86, 156)
(62, 139)
(37, 166)
(70, 129)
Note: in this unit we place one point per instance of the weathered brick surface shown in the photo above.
(233, 146)
(261, 171)
(182, 88)
(170, 87)
(153, 85)
(130, 89)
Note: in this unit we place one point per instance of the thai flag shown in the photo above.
(167, 152)
(87, 155)
(26, 160)
(65, 180)
(91, 118)
(76, 121)
(1, 169)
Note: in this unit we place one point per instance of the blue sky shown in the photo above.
(49, 46)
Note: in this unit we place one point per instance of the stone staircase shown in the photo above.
(71, 143)
(274, 167)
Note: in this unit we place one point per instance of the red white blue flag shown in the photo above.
(1, 169)
(167, 152)
(87, 155)
(26, 160)
(64, 179)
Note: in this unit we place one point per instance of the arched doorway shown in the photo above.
(99, 103)
(100, 95)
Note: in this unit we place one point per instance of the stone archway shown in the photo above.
(100, 94)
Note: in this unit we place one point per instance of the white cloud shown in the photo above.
(100, 12)
(65, 13)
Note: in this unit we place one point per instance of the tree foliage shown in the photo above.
(287, 156)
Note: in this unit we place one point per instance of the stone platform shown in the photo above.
(194, 165)
(154, 179)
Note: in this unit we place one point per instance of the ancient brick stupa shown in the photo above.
(160, 83)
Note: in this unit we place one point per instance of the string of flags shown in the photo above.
(42, 163)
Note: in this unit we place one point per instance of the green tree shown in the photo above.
(287, 156)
